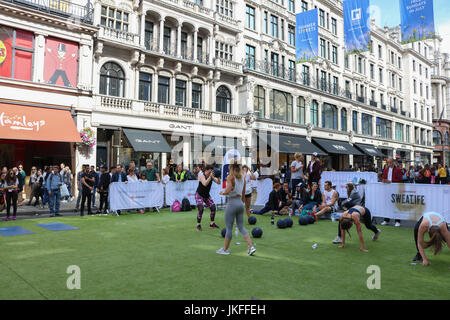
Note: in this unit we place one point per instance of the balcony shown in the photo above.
(373, 103)
(162, 111)
(361, 99)
(228, 64)
(383, 106)
(119, 35)
(63, 8)
(348, 94)
(394, 110)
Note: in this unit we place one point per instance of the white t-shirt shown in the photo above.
(329, 197)
(165, 179)
(389, 177)
(133, 179)
(248, 183)
(297, 174)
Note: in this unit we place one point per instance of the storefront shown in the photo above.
(369, 157)
(338, 154)
(34, 135)
(403, 155)
(422, 158)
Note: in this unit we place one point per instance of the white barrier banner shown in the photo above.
(263, 189)
(407, 201)
(341, 178)
(143, 194)
(180, 190)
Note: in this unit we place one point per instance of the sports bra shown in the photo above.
(427, 215)
(351, 210)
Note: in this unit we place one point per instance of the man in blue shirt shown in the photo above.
(54, 182)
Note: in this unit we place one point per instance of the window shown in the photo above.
(399, 131)
(149, 35)
(372, 72)
(223, 100)
(393, 80)
(335, 85)
(304, 6)
(250, 17)
(323, 80)
(291, 35)
(196, 95)
(415, 86)
(282, 29)
(224, 51)
(314, 113)
(384, 128)
(380, 52)
(446, 140)
(355, 121)
(392, 57)
(334, 26)
(280, 105)
(335, 55)
(322, 48)
(301, 110)
(184, 45)
(166, 40)
(426, 73)
(344, 120)
(329, 116)
(437, 138)
(16, 55)
(163, 89)
(322, 18)
(399, 62)
(414, 65)
(426, 92)
(250, 56)
(200, 56)
(346, 62)
(225, 7)
(366, 124)
(112, 80)
(359, 64)
(292, 73)
(259, 101)
(266, 30)
(291, 5)
(400, 85)
(274, 64)
(420, 69)
(305, 75)
(180, 93)
(274, 26)
(145, 86)
(407, 137)
(421, 89)
(114, 18)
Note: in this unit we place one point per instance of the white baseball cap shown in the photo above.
(315, 154)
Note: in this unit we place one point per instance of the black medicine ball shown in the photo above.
(257, 232)
(252, 220)
(289, 222)
(224, 231)
(281, 224)
(303, 220)
(310, 219)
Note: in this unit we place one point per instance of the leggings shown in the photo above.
(367, 219)
(11, 199)
(235, 210)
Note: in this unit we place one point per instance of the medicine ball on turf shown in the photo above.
(224, 231)
(257, 232)
(310, 219)
(303, 220)
(281, 224)
(289, 222)
(252, 220)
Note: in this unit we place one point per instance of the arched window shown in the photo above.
(259, 101)
(281, 105)
(329, 116)
(437, 137)
(223, 100)
(112, 80)
(446, 139)
(314, 113)
(301, 108)
(344, 120)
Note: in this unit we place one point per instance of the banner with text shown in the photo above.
(145, 194)
(306, 36)
(417, 19)
(263, 188)
(179, 191)
(356, 26)
(340, 179)
(407, 201)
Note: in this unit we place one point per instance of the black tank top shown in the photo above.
(204, 191)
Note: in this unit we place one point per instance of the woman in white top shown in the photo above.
(248, 176)
(166, 177)
(296, 171)
(235, 192)
(132, 178)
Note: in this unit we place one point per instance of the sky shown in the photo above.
(387, 12)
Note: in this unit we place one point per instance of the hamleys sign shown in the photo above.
(20, 122)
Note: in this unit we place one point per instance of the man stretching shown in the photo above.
(202, 196)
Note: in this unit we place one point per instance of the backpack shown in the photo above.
(176, 206)
(185, 205)
(427, 173)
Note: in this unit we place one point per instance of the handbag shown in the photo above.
(64, 191)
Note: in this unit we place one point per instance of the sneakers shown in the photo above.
(214, 226)
(71, 199)
(251, 250)
(141, 211)
(6, 219)
(223, 251)
(199, 227)
(64, 201)
(418, 257)
(376, 235)
(14, 218)
(337, 240)
(384, 223)
(397, 224)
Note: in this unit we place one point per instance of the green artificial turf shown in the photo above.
(162, 256)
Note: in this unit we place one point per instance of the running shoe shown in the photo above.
(397, 224)
(337, 240)
(14, 218)
(6, 219)
(199, 227)
(384, 223)
(418, 257)
(224, 252)
(251, 250)
(214, 226)
(141, 211)
(376, 235)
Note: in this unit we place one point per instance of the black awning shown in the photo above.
(339, 147)
(369, 150)
(147, 141)
(402, 150)
(291, 144)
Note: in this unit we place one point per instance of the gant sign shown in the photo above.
(339, 147)
(20, 122)
(147, 141)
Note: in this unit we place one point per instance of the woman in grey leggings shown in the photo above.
(235, 192)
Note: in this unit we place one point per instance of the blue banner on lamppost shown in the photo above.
(356, 26)
(306, 36)
(417, 18)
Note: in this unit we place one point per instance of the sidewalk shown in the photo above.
(26, 210)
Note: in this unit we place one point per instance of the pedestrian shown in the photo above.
(133, 178)
(67, 179)
(21, 177)
(248, 177)
(296, 171)
(96, 177)
(132, 165)
(54, 183)
(11, 187)
(166, 177)
(103, 189)
(235, 192)
(87, 188)
(119, 176)
(314, 169)
(31, 183)
(46, 174)
(442, 174)
(38, 190)
(2, 190)
(151, 174)
(391, 174)
(353, 197)
(79, 187)
(180, 174)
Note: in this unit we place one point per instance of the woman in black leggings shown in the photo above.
(11, 189)
(356, 214)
